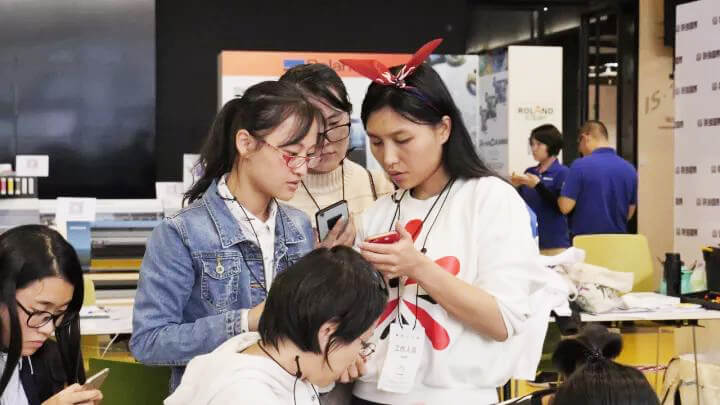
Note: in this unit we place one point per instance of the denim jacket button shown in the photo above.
(219, 269)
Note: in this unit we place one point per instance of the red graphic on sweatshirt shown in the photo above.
(414, 227)
(434, 331)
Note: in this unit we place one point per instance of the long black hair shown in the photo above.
(327, 285)
(426, 103)
(27, 254)
(593, 377)
(261, 109)
(321, 82)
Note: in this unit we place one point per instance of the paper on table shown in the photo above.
(93, 311)
(649, 301)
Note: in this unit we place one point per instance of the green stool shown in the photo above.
(132, 383)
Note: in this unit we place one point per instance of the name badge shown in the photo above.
(402, 362)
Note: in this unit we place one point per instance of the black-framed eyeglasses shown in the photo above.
(38, 319)
(367, 349)
(337, 133)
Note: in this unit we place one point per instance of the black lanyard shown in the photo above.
(395, 282)
(396, 216)
(297, 374)
(342, 173)
(262, 256)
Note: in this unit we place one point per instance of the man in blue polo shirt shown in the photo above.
(601, 188)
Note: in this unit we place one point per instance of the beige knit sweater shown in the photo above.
(327, 189)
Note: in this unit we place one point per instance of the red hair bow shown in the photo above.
(379, 73)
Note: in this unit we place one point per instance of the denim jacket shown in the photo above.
(195, 277)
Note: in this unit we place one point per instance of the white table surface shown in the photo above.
(698, 314)
(120, 321)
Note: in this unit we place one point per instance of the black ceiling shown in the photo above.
(534, 4)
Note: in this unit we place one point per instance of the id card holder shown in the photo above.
(405, 349)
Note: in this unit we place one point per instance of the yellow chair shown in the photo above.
(89, 344)
(620, 252)
(89, 287)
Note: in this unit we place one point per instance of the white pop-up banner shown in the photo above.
(519, 89)
(697, 128)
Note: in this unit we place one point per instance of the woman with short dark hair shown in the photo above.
(540, 188)
(317, 320)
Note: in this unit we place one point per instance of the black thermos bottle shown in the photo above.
(672, 272)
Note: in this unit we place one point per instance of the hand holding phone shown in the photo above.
(76, 394)
(342, 234)
(327, 217)
(94, 382)
(386, 238)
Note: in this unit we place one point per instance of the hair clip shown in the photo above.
(593, 356)
(379, 73)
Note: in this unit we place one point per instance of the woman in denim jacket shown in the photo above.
(207, 269)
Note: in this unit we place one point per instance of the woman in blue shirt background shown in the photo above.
(540, 188)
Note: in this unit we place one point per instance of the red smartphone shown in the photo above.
(387, 238)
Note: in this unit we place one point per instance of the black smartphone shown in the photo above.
(327, 217)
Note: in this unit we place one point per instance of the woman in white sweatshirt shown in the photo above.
(464, 266)
(318, 319)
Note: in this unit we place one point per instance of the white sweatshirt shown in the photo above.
(484, 229)
(226, 376)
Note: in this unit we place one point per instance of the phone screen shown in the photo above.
(328, 217)
(332, 221)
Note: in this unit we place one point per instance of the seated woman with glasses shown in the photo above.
(334, 178)
(207, 269)
(317, 320)
(42, 292)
